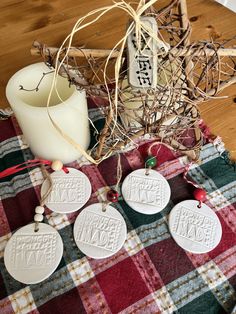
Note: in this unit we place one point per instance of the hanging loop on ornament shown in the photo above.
(37, 219)
(104, 205)
(160, 144)
(36, 226)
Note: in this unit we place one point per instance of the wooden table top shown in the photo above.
(49, 22)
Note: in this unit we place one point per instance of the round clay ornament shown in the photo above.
(30, 257)
(70, 191)
(195, 228)
(146, 192)
(100, 234)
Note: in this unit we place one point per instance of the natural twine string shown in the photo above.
(118, 177)
(119, 172)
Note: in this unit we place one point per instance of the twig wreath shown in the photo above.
(186, 75)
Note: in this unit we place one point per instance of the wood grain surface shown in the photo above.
(23, 21)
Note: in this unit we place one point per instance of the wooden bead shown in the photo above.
(38, 217)
(39, 209)
(57, 165)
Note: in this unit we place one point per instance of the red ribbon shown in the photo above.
(27, 164)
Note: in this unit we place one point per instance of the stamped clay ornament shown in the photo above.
(145, 190)
(34, 251)
(193, 225)
(100, 231)
(70, 191)
(195, 228)
(32, 256)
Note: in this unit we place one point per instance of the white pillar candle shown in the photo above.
(71, 115)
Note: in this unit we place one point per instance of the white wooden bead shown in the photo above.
(39, 209)
(38, 217)
(57, 165)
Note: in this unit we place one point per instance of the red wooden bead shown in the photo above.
(112, 196)
(199, 195)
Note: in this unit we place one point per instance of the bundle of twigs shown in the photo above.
(188, 73)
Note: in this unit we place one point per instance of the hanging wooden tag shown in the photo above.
(142, 55)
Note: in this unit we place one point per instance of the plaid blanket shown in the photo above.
(151, 273)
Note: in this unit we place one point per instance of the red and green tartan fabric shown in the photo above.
(151, 273)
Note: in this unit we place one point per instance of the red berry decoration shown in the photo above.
(112, 196)
(199, 195)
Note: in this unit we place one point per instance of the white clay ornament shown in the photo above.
(145, 190)
(34, 251)
(196, 229)
(98, 233)
(32, 256)
(70, 191)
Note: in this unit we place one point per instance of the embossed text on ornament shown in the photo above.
(99, 231)
(33, 251)
(145, 190)
(195, 227)
(67, 189)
